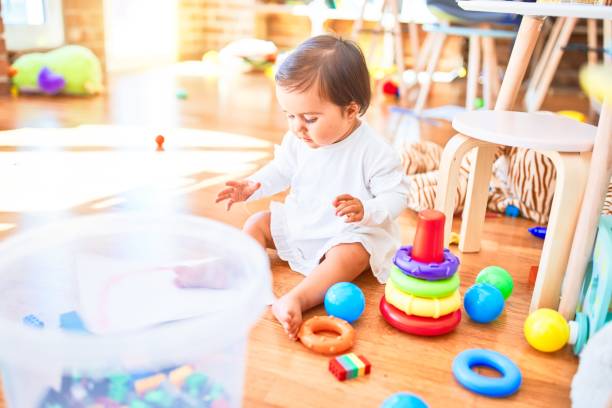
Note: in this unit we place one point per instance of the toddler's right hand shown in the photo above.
(237, 191)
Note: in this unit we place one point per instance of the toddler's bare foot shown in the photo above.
(288, 312)
(209, 273)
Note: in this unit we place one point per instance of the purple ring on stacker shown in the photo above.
(427, 271)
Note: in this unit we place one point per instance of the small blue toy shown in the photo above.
(403, 400)
(71, 321)
(33, 321)
(345, 300)
(512, 211)
(539, 232)
(483, 302)
(508, 384)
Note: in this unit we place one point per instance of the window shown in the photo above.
(32, 24)
(31, 12)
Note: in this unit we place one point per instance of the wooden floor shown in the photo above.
(281, 373)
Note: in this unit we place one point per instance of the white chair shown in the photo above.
(568, 143)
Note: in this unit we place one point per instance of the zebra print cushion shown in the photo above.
(521, 177)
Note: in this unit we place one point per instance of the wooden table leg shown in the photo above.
(584, 238)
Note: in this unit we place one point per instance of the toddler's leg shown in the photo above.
(258, 226)
(214, 273)
(342, 263)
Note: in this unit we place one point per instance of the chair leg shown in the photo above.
(448, 176)
(592, 40)
(586, 228)
(526, 40)
(358, 24)
(424, 52)
(544, 59)
(420, 63)
(472, 72)
(413, 33)
(571, 178)
(535, 103)
(476, 198)
(607, 40)
(491, 74)
(431, 67)
(399, 50)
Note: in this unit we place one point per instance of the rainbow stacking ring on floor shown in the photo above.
(422, 294)
(420, 326)
(423, 288)
(508, 384)
(404, 260)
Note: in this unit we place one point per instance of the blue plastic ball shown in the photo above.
(483, 302)
(512, 211)
(345, 300)
(403, 400)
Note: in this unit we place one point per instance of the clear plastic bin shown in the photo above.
(193, 360)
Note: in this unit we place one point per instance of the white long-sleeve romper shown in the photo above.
(305, 226)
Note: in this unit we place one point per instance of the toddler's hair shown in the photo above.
(335, 64)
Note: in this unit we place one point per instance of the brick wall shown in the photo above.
(284, 30)
(4, 79)
(211, 24)
(84, 25)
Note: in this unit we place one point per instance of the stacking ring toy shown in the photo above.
(428, 271)
(421, 326)
(412, 305)
(508, 384)
(327, 345)
(423, 288)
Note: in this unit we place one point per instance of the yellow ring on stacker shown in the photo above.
(412, 305)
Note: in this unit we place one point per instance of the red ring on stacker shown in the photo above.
(421, 326)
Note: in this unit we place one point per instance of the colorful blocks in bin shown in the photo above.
(348, 366)
(179, 375)
(149, 383)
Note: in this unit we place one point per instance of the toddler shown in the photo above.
(346, 183)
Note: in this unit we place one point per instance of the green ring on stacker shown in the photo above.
(424, 288)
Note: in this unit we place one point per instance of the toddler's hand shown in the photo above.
(237, 191)
(349, 206)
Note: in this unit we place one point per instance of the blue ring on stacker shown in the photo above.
(508, 384)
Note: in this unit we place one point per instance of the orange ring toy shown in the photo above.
(323, 344)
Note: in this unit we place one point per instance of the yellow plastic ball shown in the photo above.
(211, 56)
(579, 116)
(378, 73)
(270, 71)
(546, 330)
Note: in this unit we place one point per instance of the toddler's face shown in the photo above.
(318, 122)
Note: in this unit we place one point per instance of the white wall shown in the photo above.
(140, 33)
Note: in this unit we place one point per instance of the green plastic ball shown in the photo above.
(498, 277)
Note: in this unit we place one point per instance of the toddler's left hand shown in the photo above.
(349, 206)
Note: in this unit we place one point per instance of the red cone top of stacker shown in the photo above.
(429, 238)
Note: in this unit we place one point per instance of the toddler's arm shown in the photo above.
(389, 186)
(276, 176)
